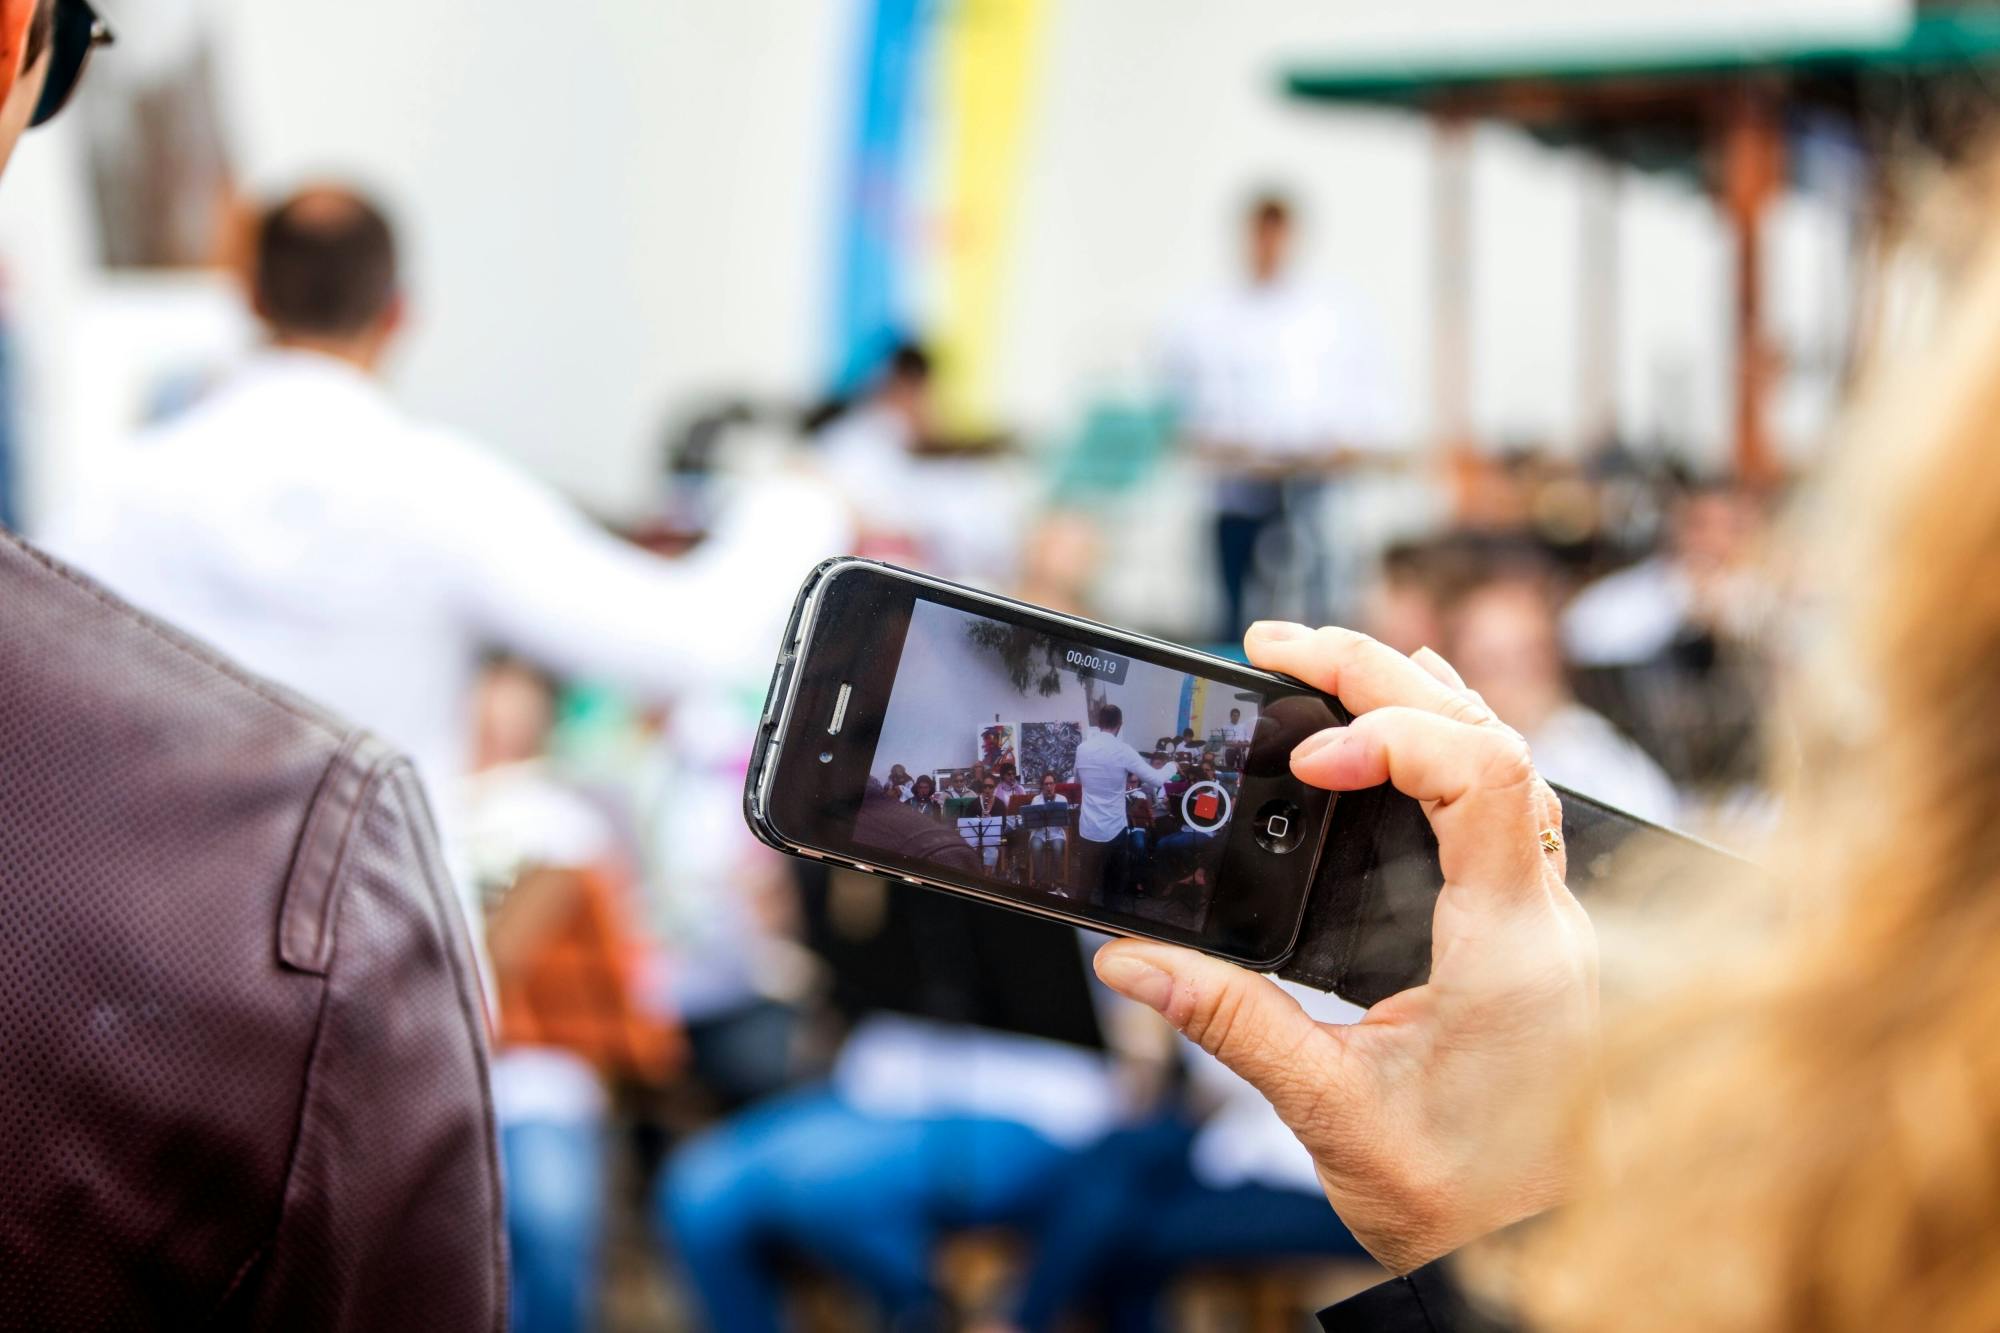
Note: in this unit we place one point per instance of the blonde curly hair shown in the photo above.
(1804, 1133)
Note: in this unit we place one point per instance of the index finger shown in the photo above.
(1363, 674)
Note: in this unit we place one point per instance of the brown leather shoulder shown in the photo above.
(222, 926)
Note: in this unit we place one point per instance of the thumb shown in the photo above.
(1242, 1019)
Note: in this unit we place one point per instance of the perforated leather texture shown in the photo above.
(242, 1060)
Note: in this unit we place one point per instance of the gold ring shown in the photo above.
(1552, 841)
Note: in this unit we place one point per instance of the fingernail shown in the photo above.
(1278, 631)
(1312, 745)
(1136, 979)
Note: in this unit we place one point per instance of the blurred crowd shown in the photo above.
(750, 1094)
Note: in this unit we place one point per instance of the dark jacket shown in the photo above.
(244, 1077)
(1426, 1301)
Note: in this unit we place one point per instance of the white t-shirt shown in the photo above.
(1281, 371)
(1582, 750)
(904, 1067)
(1103, 762)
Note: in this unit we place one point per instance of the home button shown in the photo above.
(1280, 827)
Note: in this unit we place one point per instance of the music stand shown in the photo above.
(1046, 815)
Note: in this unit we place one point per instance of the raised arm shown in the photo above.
(543, 581)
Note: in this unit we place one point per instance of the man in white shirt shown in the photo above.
(1103, 763)
(301, 523)
(1236, 733)
(1277, 388)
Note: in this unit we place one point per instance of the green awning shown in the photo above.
(1935, 43)
(1933, 81)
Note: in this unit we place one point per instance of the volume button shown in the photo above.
(775, 700)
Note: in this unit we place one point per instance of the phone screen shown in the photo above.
(1055, 764)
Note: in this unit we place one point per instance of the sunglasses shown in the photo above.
(78, 33)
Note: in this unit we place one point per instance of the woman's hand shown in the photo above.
(1442, 1115)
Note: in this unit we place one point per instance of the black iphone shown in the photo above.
(949, 738)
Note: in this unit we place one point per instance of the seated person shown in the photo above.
(1178, 871)
(1048, 847)
(1008, 785)
(924, 1126)
(925, 798)
(574, 1025)
(1139, 804)
(899, 781)
(1163, 803)
(1149, 1203)
(985, 834)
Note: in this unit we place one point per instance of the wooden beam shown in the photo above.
(1451, 283)
(1753, 172)
(1599, 308)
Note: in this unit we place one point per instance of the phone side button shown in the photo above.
(775, 700)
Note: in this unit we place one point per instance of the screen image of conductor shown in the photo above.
(1057, 772)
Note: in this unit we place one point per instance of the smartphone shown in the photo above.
(927, 732)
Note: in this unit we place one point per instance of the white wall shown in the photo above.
(947, 688)
(618, 204)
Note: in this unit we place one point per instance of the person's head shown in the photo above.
(1714, 526)
(44, 45)
(924, 787)
(1008, 773)
(978, 775)
(325, 277)
(1269, 232)
(1501, 635)
(1110, 717)
(1403, 605)
(899, 776)
(904, 387)
(989, 788)
(1235, 715)
(514, 711)
(1048, 783)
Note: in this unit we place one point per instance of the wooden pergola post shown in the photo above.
(1753, 167)
(1451, 296)
(1599, 306)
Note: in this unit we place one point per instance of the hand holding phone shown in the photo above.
(1444, 1114)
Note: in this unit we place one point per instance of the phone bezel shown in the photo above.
(786, 737)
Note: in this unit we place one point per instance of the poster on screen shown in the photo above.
(996, 745)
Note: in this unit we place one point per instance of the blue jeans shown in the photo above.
(1131, 1217)
(866, 1196)
(554, 1175)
